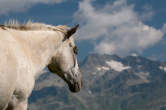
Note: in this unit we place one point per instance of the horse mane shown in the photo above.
(12, 24)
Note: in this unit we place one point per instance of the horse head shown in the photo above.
(64, 62)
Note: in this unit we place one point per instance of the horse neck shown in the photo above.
(39, 47)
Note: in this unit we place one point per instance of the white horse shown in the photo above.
(25, 50)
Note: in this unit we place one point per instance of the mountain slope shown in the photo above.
(110, 83)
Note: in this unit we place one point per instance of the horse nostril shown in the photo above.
(79, 85)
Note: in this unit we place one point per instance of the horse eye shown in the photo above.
(75, 50)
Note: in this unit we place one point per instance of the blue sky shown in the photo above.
(107, 26)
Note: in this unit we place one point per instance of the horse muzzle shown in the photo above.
(76, 87)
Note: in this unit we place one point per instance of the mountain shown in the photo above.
(110, 83)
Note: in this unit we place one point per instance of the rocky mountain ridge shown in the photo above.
(110, 83)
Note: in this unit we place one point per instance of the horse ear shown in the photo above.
(71, 31)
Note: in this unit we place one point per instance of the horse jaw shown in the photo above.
(74, 83)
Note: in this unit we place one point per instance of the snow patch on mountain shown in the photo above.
(117, 66)
(134, 55)
(163, 68)
(143, 76)
(103, 68)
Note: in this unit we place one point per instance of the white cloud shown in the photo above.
(116, 28)
(21, 5)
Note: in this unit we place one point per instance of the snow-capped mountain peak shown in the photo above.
(102, 68)
(134, 55)
(163, 68)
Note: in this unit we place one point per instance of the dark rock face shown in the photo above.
(110, 83)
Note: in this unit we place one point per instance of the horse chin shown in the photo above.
(76, 87)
